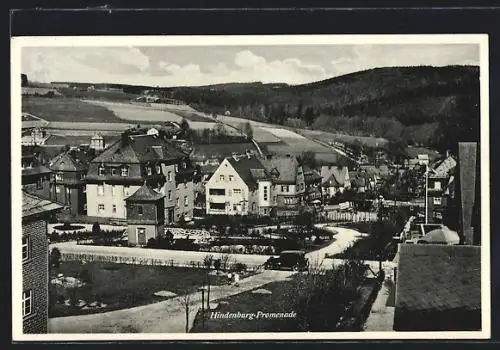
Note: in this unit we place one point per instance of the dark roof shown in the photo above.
(37, 170)
(334, 175)
(311, 175)
(66, 162)
(139, 149)
(380, 171)
(33, 205)
(247, 167)
(284, 166)
(439, 277)
(145, 193)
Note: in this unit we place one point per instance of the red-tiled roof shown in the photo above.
(438, 278)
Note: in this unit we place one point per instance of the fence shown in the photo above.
(353, 216)
(132, 260)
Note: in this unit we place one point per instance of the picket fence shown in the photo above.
(344, 216)
(132, 260)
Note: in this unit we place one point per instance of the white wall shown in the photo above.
(226, 169)
(108, 199)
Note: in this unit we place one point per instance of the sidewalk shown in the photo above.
(381, 318)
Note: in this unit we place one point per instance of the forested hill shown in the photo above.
(431, 106)
(413, 104)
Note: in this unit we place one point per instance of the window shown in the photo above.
(67, 190)
(437, 200)
(217, 191)
(218, 206)
(58, 189)
(126, 190)
(177, 202)
(158, 169)
(113, 190)
(100, 208)
(275, 199)
(301, 186)
(221, 177)
(265, 211)
(101, 171)
(113, 172)
(59, 176)
(83, 176)
(114, 208)
(229, 193)
(186, 201)
(27, 303)
(140, 210)
(124, 171)
(148, 170)
(26, 248)
(284, 188)
(253, 206)
(437, 185)
(184, 166)
(288, 200)
(237, 191)
(169, 195)
(39, 184)
(100, 190)
(169, 176)
(231, 178)
(176, 167)
(265, 193)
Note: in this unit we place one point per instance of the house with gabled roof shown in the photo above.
(35, 177)
(438, 288)
(122, 168)
(335, 179)
(67, 182)
(249, 185)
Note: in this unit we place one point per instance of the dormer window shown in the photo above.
(158, 169)
(101, 171)
(148, 170)
(124, 171)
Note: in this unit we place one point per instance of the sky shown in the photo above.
(194, 66)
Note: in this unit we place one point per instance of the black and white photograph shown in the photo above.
(250, 187)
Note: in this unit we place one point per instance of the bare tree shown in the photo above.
(225, 259)
(186, 303)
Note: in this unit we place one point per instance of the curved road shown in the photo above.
(169, 316)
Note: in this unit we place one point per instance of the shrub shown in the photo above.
(151, 243)
(55, 257)
(318, 240)
(208, 261)
(96, 228)
(217, 264)
(239, 267)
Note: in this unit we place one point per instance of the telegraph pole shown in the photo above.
(426, 192)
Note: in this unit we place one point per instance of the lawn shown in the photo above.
(67, 110)
(249, 302)
(120, 286)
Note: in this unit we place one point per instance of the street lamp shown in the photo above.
(202, 290)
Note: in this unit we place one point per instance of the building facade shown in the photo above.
(249, 185)
(35, 269)
(122, 169)
(145, 215)
(67, 182)
(35, 177)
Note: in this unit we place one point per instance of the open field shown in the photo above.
(283, 133)
(147, 113)
(122, 286)
(263, 135)
(347, 139)
(97, 94)
(75, 140)
(67, 110)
